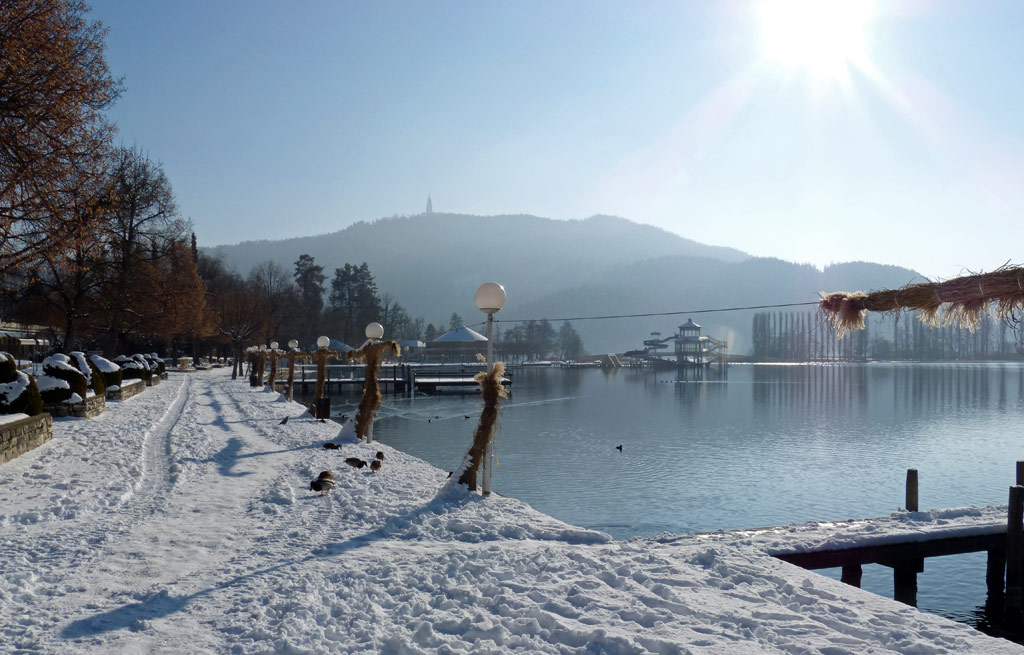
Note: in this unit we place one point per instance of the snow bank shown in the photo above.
(181, 521)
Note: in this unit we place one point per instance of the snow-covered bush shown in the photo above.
(110, 371)
(156, 363)
(61, 380)
(93, 377)
(133, 368)
(18, 391)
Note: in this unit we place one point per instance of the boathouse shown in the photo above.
(457, 345)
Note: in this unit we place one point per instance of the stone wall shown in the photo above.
(92, 406)
(128, 389)
(19, 437)
(153, 381)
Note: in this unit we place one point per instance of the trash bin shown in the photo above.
(323, 407)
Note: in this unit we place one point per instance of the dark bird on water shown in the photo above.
(432, 419)
(284, 421)
(467, 416)
(344, 417)
(375, 465)
(380, 454)
(619, 448)
(331, 446)
(323, 485)
(355, 462)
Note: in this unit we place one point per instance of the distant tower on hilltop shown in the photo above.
(430, 205)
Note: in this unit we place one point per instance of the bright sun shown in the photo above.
(821, 37)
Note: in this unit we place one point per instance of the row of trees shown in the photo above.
(806, 336)
(91, 240)
(90, 236)
(297, 307)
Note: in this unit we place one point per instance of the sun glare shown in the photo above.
(822, 37)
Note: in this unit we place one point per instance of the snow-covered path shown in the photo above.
(180, 522)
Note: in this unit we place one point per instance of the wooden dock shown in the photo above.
(395, 378)
(906, 555)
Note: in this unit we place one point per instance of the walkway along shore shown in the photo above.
(181, 520)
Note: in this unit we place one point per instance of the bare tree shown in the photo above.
(143, 229)
(279, 294)
(54, 88)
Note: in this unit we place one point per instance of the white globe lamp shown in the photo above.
(323, 342)
(374, 331)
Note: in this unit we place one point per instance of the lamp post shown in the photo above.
(293, 353)
(374, 332)
(322, 404)
(273, 353)
(489, 298)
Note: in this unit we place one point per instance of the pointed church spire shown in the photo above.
(430, 205)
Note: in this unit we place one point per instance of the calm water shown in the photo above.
(758, 445)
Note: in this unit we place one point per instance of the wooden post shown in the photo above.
(912, 490)
(995, 571)
(1020, 473)
(852, 574)
(1015, 550)
(904, 578)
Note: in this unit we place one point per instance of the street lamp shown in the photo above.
(322, 404)
(489, 298)
(374, 331)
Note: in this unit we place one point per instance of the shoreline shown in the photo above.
(192, 500)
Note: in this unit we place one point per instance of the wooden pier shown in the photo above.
(903, 547)
(395, 378)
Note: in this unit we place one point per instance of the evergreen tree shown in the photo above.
(309, 278)
(354, 301)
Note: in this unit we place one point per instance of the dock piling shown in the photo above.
(912, 490)
(852, 574)
(1015, 550)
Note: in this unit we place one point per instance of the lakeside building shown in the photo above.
(690, 347)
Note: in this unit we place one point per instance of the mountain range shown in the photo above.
(598, 266)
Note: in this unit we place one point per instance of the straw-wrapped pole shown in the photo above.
(961, 301)
(372, 353)
(493, 392)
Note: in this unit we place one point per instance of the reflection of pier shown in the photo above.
(691, 349)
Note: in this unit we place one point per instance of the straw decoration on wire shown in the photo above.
(961, 301)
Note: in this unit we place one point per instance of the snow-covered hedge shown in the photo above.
(133, 368)
(18, 391)
(92, 374)
(156, 363)
(110, 371)
(61, 381)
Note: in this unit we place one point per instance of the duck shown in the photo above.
(375, 465)
(323, 485)
(355, 462)
(284, 421)
(326, 475)
(619, 448)
(380, 455)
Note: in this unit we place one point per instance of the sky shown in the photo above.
(816, 131)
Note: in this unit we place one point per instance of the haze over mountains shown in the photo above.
(603, 265)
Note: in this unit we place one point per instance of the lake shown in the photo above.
(751, 446)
